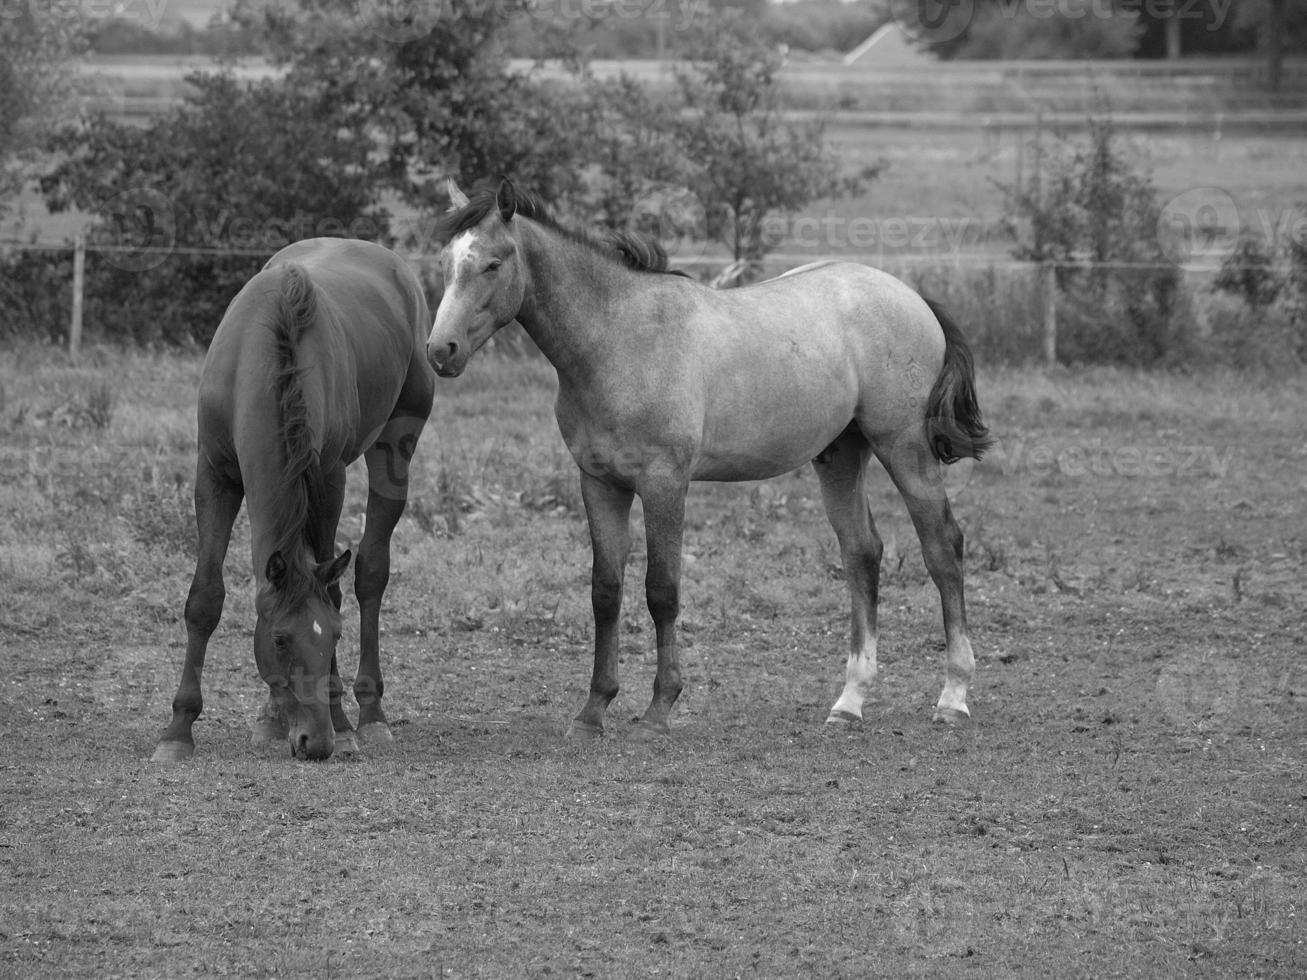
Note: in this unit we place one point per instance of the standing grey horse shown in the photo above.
(662, 381)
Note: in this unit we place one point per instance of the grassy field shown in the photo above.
(1128, 802)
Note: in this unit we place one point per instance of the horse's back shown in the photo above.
(372, 284)
(361, 351)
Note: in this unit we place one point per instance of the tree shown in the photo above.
(745, 161)
(239, 167)
(36, 41)
(1277, 26)
(1093, 213)
(431, 84)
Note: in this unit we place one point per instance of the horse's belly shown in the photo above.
(761, 422)
(767, 448)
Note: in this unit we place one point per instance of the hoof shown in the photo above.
(173, 752)
(375, 733)
(346, 743)
(951, 716)
(584, 730)
(842, 719)
(650, 731)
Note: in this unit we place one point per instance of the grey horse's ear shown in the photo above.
(457, 199)
(506, 200)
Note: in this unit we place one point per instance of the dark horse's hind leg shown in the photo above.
(216, 504)
(842, 470)
(346, 742)
(388, 462)
(608, 510)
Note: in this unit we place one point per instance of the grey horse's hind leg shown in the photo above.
(664, 522)
(919, 478)
(608, 510)
(842, 471)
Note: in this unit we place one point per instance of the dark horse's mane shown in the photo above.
(628, 248)
(300, 488)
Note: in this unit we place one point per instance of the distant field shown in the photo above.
(952, 134)
(939, 199)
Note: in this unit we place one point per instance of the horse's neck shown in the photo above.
(570, 292)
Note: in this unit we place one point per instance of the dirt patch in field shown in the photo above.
(1129, 797)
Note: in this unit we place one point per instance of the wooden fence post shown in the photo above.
(79, 287)
(1048, 277)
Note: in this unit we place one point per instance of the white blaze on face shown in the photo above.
(317, 628)
(460, 255)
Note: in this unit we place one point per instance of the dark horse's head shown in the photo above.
(295, 639)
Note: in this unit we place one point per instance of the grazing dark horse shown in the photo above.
(662, 381)
(317, 360)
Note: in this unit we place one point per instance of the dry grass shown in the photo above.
(1127, 800)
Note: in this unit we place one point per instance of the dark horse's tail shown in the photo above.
(301, 496)
(954, 427)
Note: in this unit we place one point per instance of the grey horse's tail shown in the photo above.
(954, 426)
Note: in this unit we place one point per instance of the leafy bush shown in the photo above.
(238, 168)
(1091, 211)
(1258, 315)
(1250, 273)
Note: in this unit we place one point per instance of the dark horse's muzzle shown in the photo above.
(311, 746)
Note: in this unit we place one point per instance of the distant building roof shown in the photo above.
(888, 45)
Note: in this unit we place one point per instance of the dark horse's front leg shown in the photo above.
(608, 510)
(388, 465)
(216, 504)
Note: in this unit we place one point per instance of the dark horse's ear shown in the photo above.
(506, 200)
(276, 570)
(329, 572)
